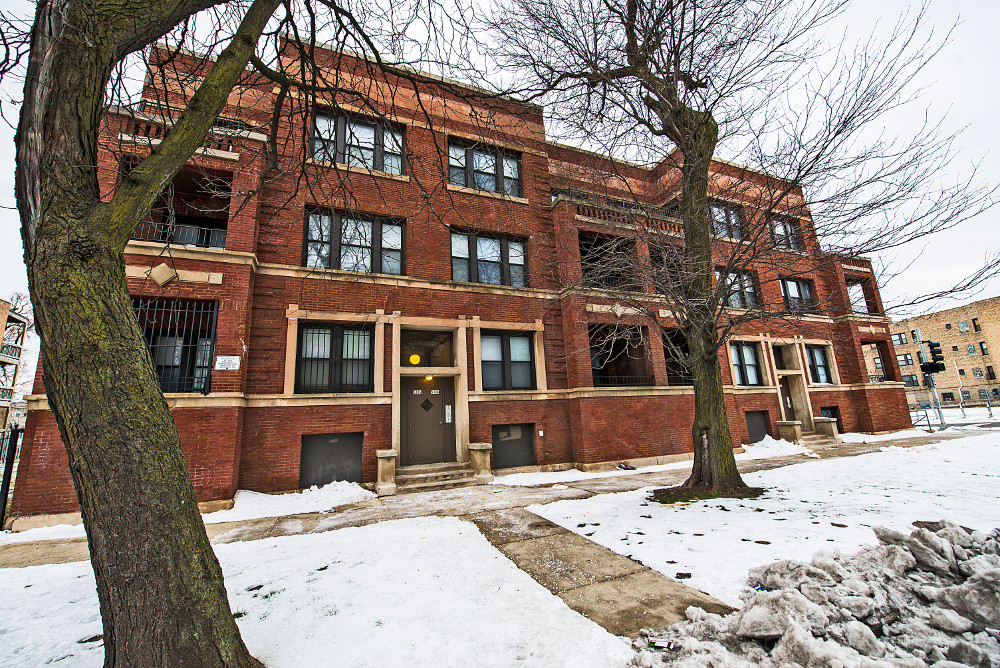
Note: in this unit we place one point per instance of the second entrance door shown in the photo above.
(428, 420)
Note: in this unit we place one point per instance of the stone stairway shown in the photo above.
(429, 477)
(811, 438)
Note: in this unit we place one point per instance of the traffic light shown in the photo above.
(936, 362)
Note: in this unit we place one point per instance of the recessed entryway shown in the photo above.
(428, 414)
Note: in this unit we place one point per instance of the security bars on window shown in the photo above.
(352, 243)
(359, 143)
(334, 358)
(181, 338)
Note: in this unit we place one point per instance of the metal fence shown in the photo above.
(178, 233)
(181, 338)
(10, 439)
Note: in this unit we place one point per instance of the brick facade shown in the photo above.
(247, 432)
(970, 341)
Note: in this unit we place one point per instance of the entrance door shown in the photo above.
(428, 420)
(785, 392)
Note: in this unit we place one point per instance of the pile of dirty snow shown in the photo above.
(773, 447)
(249, 505)
(930, 598)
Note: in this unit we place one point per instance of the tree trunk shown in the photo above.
(714, 465)
(161, 592)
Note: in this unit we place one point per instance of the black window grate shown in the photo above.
(333, 358)
(180, 334)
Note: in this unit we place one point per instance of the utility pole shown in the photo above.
(932, 363)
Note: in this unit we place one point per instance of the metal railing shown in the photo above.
(181, 338)
(601, 380)
(10, 350)
(6, 394)
(188, 235)
(879, 378)
(9, 439)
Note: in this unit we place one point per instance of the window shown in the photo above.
(359, 142)
(976, 326)
(739, 289)
(856, 296)
(966, 395)
(990, 373)
(904, 359)
(338, 241)
(798, 295)
(984, 395)
(180, 334)
(618, 356)
(920, 357)
(948, 326)
(996, 392)
(477, 258)
(508, 361)
(977, 373)
(334, 358)
(954, 349)
(819, 367)
(726, 220)
(983, 348)
(911, 381)
(785, 233)
(963, 326)
(899, 339)
(746, 364)
(961, 372)
(913, 335)
(878, 363)
(947, 396)
(484, 168)
(970, 349)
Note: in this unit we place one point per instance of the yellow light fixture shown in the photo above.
(428, 377)
(414, 359)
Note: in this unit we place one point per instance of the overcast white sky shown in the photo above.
(961, 86)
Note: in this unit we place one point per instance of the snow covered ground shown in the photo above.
(819, 504)
(426, 592)
(246, 505)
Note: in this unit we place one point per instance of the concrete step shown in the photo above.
(433, 468)
(435, 485)
(413, 478)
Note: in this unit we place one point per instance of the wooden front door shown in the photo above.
(428, 420)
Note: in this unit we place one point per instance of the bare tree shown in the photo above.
(160, 588)
(677, 81)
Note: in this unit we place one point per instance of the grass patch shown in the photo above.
(688, 495)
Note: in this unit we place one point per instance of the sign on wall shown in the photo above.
(227, 363)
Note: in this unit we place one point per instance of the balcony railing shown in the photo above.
(622, 381)
(800, 304)
(188, 235)
(880, 378)
(6, 394)
(10, 350)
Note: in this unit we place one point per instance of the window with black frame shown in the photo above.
(484, 167)
(798, 295)
(726, 220)
(353, 243)
(488, 258)
(785, 233)
(508, 361)
(334, 358)
(359, 142)
(739, 288)
(746, 364)
(819, 364)
(180, 334)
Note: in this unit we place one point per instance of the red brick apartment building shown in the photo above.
(413, 300)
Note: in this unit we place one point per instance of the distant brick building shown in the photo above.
(413, 301)
(15, 329)
(970, 340)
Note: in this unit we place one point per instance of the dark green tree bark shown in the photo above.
(162, 597)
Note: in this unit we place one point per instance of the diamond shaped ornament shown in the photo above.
(427, 405)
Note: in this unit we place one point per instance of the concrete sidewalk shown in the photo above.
(620, 594)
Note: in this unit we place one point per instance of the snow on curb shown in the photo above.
(909, 601)
(852, 437)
